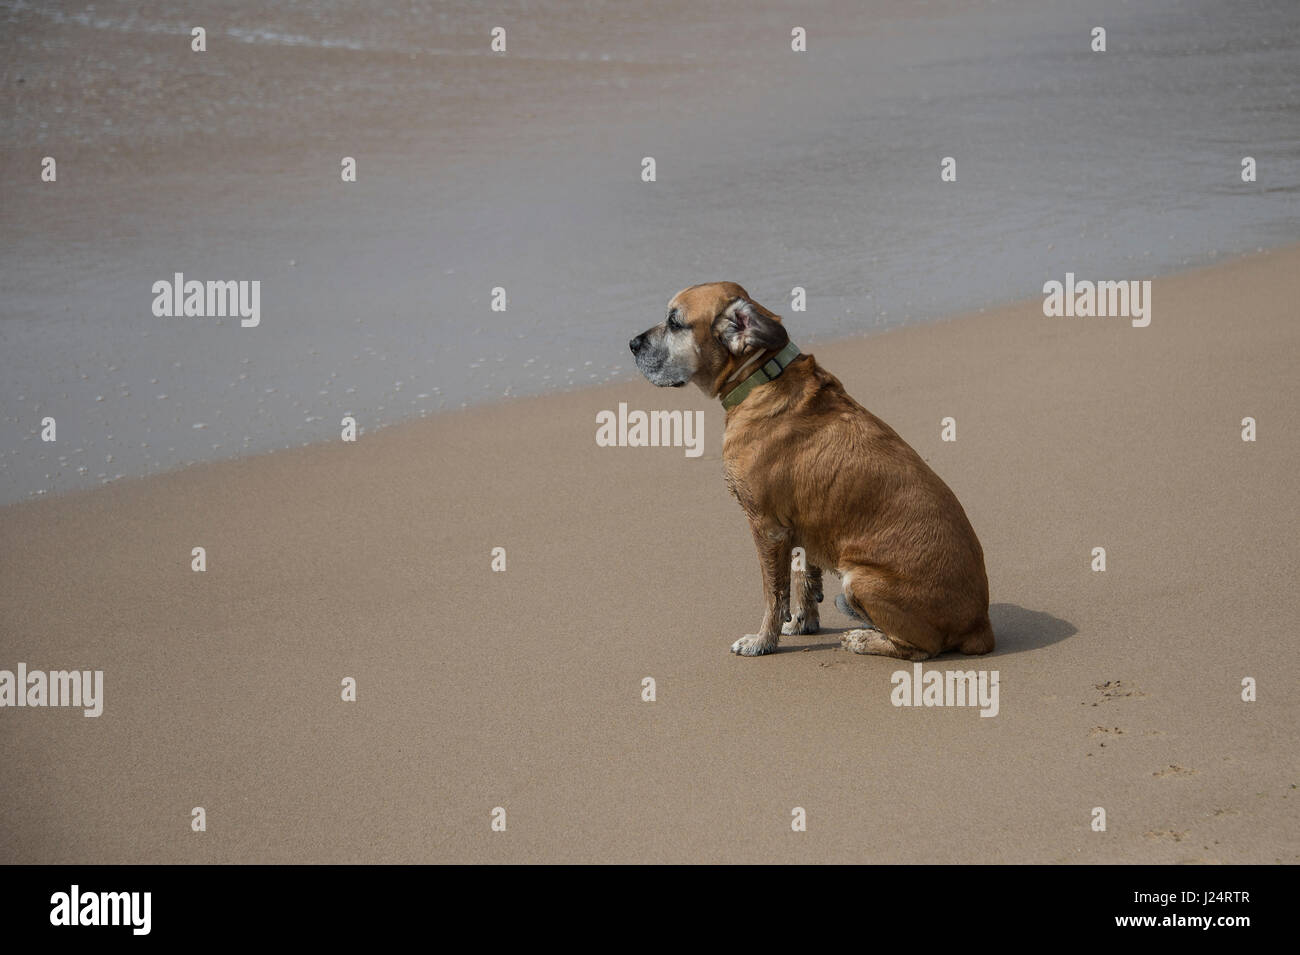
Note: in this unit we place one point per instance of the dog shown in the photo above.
(814, 469)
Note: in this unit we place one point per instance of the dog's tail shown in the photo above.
(853, 611)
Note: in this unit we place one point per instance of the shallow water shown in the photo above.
(775, 169)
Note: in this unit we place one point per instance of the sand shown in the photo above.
(523, 689)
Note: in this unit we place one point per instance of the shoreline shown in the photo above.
(633, 376)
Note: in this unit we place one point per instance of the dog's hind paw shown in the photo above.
(753, 645)
(869, 640)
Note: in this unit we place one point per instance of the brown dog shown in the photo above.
(814, 469)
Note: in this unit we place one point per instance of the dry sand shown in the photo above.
(523, 689)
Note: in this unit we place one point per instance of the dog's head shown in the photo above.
(712, 332)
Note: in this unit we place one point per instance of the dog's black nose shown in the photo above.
(636, 343)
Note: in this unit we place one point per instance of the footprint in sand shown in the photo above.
(1116, 690)
(1172, 770)
(1171, 834)
(1107, 731)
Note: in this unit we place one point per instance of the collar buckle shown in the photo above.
(770, 371)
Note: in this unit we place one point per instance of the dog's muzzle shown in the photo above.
(654, 361)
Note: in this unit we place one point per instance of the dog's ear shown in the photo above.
(744, 326)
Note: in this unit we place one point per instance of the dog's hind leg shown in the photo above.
(878, 642)
(889, 631)
(805, 595)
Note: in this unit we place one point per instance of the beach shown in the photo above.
(522, 689)
(481, 633)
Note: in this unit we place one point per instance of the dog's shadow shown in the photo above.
(1016, 630)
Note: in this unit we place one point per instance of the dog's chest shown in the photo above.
(736, 484)
(742, 489)
(752, 481)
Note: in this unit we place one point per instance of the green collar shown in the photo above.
(770, 370)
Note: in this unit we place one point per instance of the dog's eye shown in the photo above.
(673, 324)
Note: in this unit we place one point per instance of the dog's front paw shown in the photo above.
(753, 645)
(802, 623)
